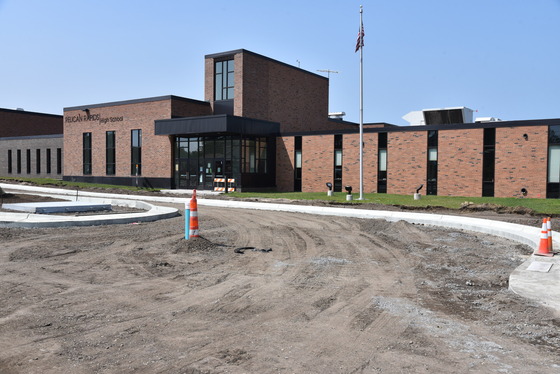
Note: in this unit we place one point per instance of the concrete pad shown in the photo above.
(57, 207)
(542, 287)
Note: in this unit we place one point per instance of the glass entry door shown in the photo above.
(190, 174)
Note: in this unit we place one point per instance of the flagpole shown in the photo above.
(361, 106)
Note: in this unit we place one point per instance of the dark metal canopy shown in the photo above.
(217, 124)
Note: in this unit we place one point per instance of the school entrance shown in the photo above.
(205, 149)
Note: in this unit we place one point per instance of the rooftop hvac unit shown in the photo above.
(443, 116)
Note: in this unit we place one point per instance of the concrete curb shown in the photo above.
(541, 287)
(29, 220)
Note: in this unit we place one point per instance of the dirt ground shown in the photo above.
(333, 295)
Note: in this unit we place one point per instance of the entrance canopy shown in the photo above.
(217, 124)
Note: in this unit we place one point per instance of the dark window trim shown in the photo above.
(136, 152)
(10, 161)
(110, 153)
(86, 153)
(382, 141)
(18, 161)
(48, 160)
(59, 161)
(38, 161)
(28, 160)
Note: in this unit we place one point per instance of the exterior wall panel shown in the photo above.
(156, 150)
(285, 159)
(460, 162)
(318, 162)
(521, 163)
(42, 143)
(351, 162)
(406, 161)
(14, 123)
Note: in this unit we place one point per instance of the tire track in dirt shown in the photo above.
(334, 295)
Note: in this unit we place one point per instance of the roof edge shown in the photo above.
(135, 101)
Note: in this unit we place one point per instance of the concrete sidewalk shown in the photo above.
(538, 285)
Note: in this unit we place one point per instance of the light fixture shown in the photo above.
(525, 136)
(348, 189)
(329, 186)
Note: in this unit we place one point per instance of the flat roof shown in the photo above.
(237, 51)
(135, 101)
(457, 126)
(23, 111)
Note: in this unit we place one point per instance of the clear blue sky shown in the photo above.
(499, 57)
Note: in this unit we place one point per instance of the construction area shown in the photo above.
(307, 294)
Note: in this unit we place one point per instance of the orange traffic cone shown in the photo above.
(193, 229)
(549, 233)
(543, 244)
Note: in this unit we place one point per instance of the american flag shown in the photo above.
(360, 40)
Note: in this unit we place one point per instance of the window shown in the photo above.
(38, 161)
(59, 160)
(9, 161)
(553, 185)
(382, 162)
(28, 161)
(110, 153)
(431, 188)
(488, 162)
(86, 153)
(223, 80)
(254, 155)
(297, 163)
(48, 160)
(337, 183)
(18, 166)
(136, 152)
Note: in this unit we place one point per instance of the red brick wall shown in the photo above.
(406, 161)
(285, 158)
(190, 108)
(156, 150)
(270, 90)
(21, 123)
(460, 162)
(277, 92)
(521, 163)
(318, 162)
(351, 162)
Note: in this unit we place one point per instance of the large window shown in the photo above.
(9, 161)
(86, 153)
(48, 160)
(28, 161)
(431, 188)
(136, 152)
(254, 156)
(489, 162)
(18, 161)
(382, 162)
(553, 185)
(337, 185)
(297, 163)
(223, 80)
(110, 153)
(38, 161)
(59, 160)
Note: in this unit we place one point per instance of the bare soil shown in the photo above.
(334, 295)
